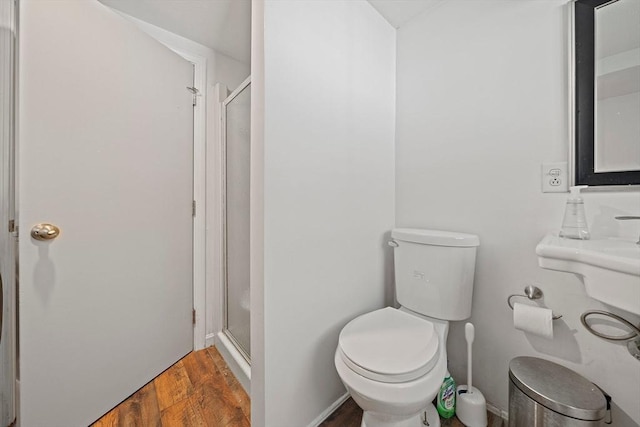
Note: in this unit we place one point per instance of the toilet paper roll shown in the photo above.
(535, 320)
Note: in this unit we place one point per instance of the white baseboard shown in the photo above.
(325, 414)
(500, 413)
(210, 340)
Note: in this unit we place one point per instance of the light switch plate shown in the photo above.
(554, 177)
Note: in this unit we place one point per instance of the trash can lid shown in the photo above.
(558, 388)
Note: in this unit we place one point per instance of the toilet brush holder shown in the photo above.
(471, 407)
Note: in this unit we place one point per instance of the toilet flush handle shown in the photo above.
(393, 243)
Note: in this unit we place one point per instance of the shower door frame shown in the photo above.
(223, 291)
(8, 265)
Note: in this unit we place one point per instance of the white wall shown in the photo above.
(256, 216)
(329, 77)
(220, 68)
(481, 103)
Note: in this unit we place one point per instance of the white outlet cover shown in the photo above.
(554, 177)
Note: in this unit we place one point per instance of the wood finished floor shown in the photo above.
(200, 390)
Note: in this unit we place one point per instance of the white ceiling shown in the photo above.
(225, 25)
(399, 12)
(222, 25)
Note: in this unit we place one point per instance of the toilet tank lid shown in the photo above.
(435, 237)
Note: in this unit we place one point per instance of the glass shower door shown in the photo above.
(236, 118)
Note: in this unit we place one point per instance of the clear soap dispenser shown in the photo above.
(574, 224)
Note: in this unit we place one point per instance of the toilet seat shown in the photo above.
(389, 345)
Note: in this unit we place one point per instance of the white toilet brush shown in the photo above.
(471, 407)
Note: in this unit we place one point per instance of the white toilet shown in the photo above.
(393, 361)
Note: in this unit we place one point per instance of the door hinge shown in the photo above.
(12, 226)
(193, 208)
(196, 93)
(194, 316)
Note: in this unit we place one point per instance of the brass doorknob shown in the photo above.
(45, 232)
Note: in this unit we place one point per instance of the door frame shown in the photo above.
(215, 212)
(8, 231)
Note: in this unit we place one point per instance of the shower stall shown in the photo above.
(234, 339)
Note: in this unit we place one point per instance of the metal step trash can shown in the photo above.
(543, 393)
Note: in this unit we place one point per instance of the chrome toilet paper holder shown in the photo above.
(533, 293)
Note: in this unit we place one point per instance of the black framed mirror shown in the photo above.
(607, 92)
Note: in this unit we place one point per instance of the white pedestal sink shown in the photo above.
(610, 267)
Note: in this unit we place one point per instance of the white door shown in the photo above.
(105, 154)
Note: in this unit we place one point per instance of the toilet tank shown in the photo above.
(434, 271)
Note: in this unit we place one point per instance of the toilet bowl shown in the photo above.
(392, 362)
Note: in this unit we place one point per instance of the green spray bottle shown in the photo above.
(446, 401)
